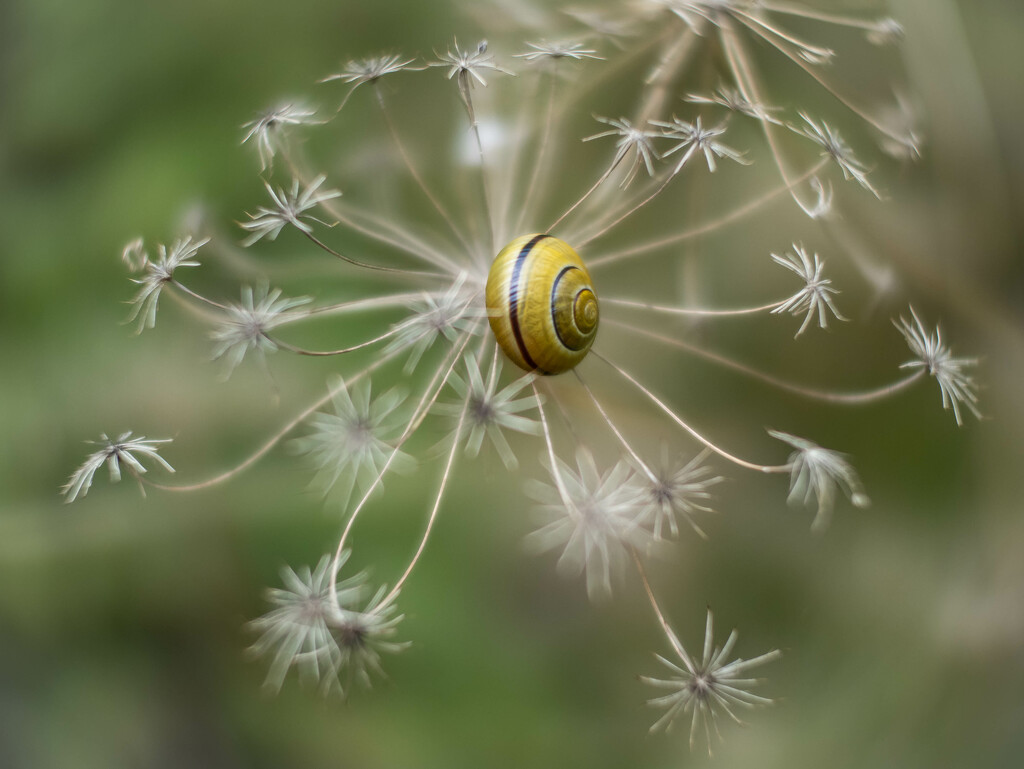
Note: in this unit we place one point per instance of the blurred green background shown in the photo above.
(122, 619)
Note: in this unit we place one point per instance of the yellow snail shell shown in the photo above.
(541, 304)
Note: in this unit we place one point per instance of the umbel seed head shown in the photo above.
(541, 304)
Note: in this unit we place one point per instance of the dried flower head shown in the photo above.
(245, 327)
(489, 412)
(706, 687)
(315, 627)
(815, 296)
(957, 386)
(816, 474)
(676, 490)
(696, 138)
(593, 518)
(631, 141)
(157, 275)
(267, 130)
(289, 208)
(351, 447)
(114, 454)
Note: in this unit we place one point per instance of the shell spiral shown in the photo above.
(541, 304)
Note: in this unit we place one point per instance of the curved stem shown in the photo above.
(531, 196)
(606, 228)
(743, 74)
(710, 226)
(608, 420)
(185, 289)
(416, 273)
(433, 513)
(411, 245)
(856, 398)
(559, 483)
(615, 164)
(750, 23)
(816, 15)
(690, 310)
(659, 82)
(357, 305)
(325, 353)
(414, 172)
(675, 418)
(658, 613)
(199, 311)
(276, 438)
(430, 395)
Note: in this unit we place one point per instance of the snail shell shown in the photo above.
(541, 304)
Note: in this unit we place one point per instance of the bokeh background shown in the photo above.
(122, 619)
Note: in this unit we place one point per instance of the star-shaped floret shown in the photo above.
(266, 130)
(816, 295)
(323, 635)
(676, 490)
(708, 686)
(157, 275)
(434, 317)
(733, 100)
(834, 147)
(361, 71)
(593, 517)
(695, 137)
(631, 141)
(289, 208)
(558, 50)
(489, 411)
(246, 326)
(816, 474)
(352, 446)
(932, 355)
(466, 67)
(114, 454)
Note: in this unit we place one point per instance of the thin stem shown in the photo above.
(277, 437)
(675, 418)
(691, 310)
(743, 74)
(325, 353)
(750, 21)
(416, 273)
(467, 96)
(658, 613)
(606, 228)
(185, 289)
(608, 420)
(414, 172)
(559, 483)
(430, 395)
(356, 305)
(759, 27)
(615, 164)
(659, 82)
(816, 15)
(855, 398)
(530, 199)
(433, 513)
(712, 225)
(412, 245)
(199, 311)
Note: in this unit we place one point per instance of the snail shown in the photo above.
(541, 304)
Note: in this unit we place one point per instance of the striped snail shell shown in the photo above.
(541, 304)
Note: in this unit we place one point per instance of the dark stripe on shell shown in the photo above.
(513, 298)
(554, 319)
